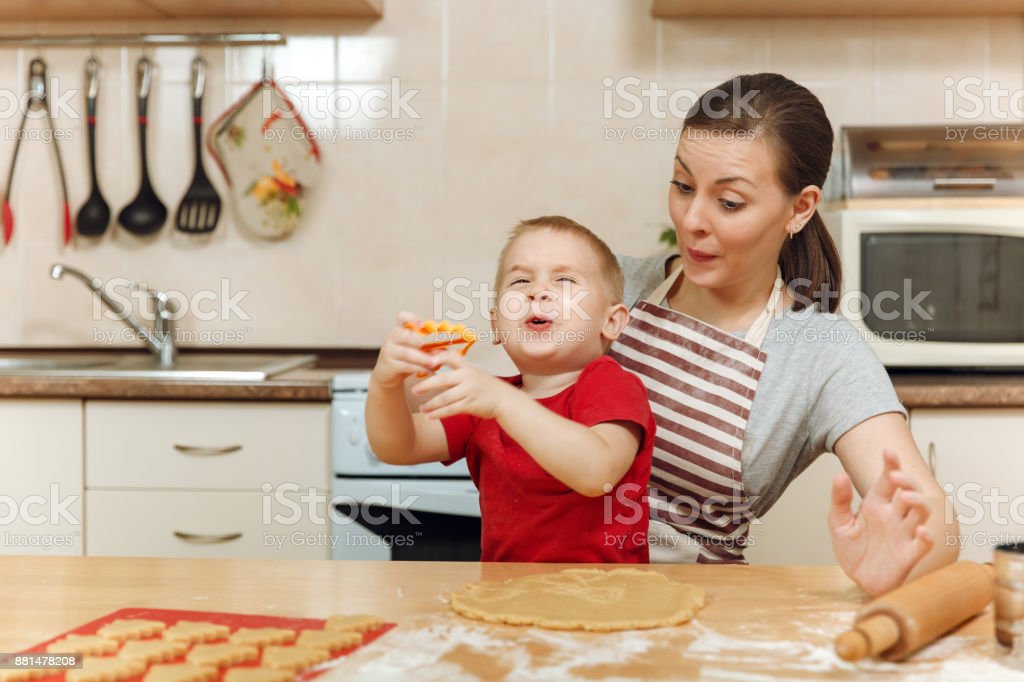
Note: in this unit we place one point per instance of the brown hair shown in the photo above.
(609, 267)
(793, 120)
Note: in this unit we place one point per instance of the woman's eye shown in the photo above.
(732, 206)
(682, 186)
(566, 279)
(520, 280)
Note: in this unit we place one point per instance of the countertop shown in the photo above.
(760, 623)
(310, 385)
(915, 389)
(950, 389)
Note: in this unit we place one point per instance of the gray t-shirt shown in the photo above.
(820, 380)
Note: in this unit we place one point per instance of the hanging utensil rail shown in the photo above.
(146, 39)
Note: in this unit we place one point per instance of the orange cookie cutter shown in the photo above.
(452, 335)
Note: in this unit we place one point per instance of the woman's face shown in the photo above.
(730, 212)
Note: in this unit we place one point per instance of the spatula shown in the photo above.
(199, 210)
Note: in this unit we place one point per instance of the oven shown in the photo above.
(930, 230)
(378, 511)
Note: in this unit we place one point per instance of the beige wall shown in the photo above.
(511, 125)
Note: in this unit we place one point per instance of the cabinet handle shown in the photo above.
(200, 539)
(198, 451)
(931, 457)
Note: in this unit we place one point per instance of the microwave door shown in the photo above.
(944, 286)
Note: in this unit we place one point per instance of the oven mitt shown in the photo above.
(269, 159)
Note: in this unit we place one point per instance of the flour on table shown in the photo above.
(446, 648)
(745, 659)
(424, 649)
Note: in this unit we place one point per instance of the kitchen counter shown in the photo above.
(924, 389)
(310, 385)
(959, 390)
(761, 622)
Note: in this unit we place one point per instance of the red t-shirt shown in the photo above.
(528, 514)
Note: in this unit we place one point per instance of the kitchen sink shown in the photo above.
(187, 366)
(36, 364)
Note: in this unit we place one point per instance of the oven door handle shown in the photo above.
(964, 183)
(453, 503)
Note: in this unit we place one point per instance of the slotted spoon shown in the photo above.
(199, 210)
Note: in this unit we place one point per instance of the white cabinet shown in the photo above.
(41, 477)
(205, 445)
(795, 529)
(977, 455)
(237, 525)
(175, 478)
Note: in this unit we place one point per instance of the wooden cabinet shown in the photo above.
(976, 455)
(41, 477)
(807, 8)
(207, 479)
(97, 10)
(191, 9)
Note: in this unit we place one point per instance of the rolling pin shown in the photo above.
(902, 621)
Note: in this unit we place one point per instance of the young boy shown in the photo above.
(561, 453)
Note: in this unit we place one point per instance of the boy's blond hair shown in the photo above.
(610, 270)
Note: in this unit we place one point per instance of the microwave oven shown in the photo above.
(939, 285)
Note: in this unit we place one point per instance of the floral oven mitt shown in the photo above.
(269, 158)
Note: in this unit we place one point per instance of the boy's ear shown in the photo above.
(492, 314)
(615, 321)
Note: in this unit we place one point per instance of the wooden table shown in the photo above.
(761, 622)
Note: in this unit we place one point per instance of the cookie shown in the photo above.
(331, 640)
(105, 669)
(86, 645)
(196, 631)
(153, 651)
(180, 672)
(258, 675)
(262, 636)
(222, 655)
(294, 658)
(357, 622)
(122, 629)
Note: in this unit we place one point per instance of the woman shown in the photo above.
(750, 374)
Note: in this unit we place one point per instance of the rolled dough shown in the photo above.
(583, 599)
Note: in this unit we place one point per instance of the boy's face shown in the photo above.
(554, 311)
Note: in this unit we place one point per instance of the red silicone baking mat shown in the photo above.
(232, 620)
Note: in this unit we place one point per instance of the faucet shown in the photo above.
(159, 340)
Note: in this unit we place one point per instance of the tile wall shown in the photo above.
(505, 118)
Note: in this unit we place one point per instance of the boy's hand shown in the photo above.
(400, 354)
(463, 390)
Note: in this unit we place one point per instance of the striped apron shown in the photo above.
(701, 383)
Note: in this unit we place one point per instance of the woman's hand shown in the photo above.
(880, 544)
(463, 389)
(400, 354)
